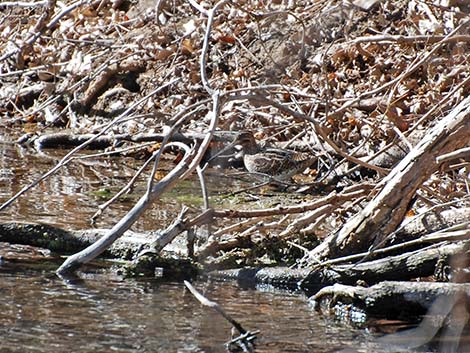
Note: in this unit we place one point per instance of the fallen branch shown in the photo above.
(411, 39)
(246, 339)
(406, 266)
(23, 4)
(384, 213)
(347, 194)
(90, 253)
(65, 242)
(390, 298)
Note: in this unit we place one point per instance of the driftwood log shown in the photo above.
(281, 277)
(128, 249)
(383, 214)
(63, 139)
(67, 242)
(395, 299)
(405, 266)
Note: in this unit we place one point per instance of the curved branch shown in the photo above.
(91, 252)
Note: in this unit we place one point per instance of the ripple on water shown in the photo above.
(41, 313)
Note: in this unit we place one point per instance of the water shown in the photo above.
(39, 312)
(102, 313)
(70, 197)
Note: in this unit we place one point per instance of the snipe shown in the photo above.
(279, 164)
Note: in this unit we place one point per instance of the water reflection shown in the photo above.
(41, 313)
(70, 197)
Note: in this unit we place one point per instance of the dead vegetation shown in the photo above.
(380, 92)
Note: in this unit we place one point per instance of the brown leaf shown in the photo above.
(163, 54)
(396, 118)
(226, 39)
(187, 47)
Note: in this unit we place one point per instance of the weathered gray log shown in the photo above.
(171, 262)
(430, 222)
(406, 266)
(277, 276)
(386, 210)
(67, 242)
(445, 306)
(390, 299)
(68, 139)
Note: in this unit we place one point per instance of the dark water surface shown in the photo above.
(42, 313)
(101, 313)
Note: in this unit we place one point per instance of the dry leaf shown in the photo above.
(187, 47)
(226, 39)
(394, 115)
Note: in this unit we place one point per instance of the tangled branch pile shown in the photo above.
(368, 83)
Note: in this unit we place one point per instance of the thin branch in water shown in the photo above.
(211, 304)
(94, 250)
(245, 341)
(123, 190)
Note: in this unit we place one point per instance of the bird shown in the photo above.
(277, 163)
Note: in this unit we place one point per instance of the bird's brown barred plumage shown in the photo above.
(280, 164)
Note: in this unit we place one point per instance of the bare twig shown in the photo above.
(211, 304)
(199, 7)
(244, 342)
(166, 236)
(23, 4)
(332, 198)
(306, 218)
(410, 39)
(460, 153)
(205, 45)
